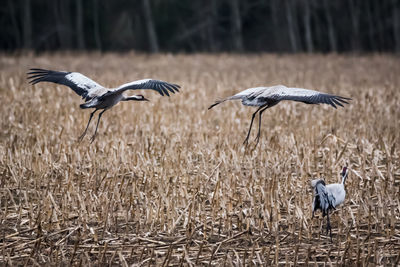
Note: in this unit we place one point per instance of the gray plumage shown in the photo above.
(97, 96)
(322, 200)
(266, 97)
(328, 197)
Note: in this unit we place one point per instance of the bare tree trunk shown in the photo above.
(57, 23)
(236, 24)
(79, 25)
(331, 29)
(66, 24)
(355, 11)
(291, 30)
(212, 23)
(275, 22)
(14, 23)
(151, 32)
(62, 23)
(307, 26)
(27, 25)
(371, 27)
(396, 26)
(378, 26)
(96, 24)
(296, 26)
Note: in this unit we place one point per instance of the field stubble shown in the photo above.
(168, 182)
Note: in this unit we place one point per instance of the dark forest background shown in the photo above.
(201, 25)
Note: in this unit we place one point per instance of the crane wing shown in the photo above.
(307, 96)
(157, 85)
(78, 82)
(322, 199)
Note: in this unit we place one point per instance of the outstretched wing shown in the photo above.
(81, 84)
(307, 96)
(157, 85)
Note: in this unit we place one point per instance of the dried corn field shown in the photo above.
(169, 183)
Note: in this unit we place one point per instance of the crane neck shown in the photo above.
(344, 178)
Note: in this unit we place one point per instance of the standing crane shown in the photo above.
(97, 96)
(328, 197)
(266, 97)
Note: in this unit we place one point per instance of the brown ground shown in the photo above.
(168, 182)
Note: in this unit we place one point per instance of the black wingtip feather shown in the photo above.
(33, 76)
(37, 80)
(160, 87)
(165, 90)
(337, 102)
(173, 87)
(36, 75)
(340, 98)
(332, 103)
(170, 87)
(159, 90)
(37, 71)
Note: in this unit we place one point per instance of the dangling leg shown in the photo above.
(87, 126)
(97, 125)
(246, 141)
(259, 126)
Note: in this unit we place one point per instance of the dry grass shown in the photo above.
(168, 182)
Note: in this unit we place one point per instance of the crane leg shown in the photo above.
(87, 126)
(97, 125)
(246, 141)
(328, 226)
(259, 125)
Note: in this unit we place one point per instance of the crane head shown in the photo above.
(136, 98)
(141, 98)
(345, 172)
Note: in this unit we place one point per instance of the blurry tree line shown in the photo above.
(201, 25)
